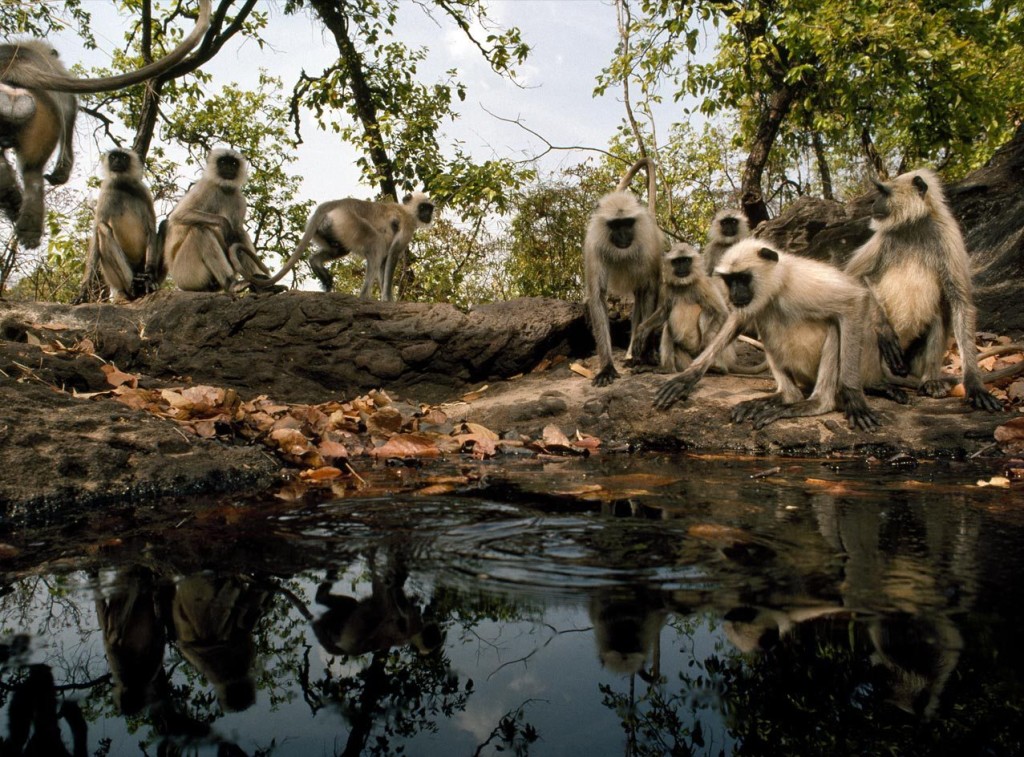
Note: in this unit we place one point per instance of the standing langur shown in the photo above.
(811, 320)
(123, 242)
(691, 310)
(379, 232)
(37, 113)
(204, 240)
(622, 256)
(917, 269)
(728, 227)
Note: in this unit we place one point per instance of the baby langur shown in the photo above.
(622, 256)
(123, 242)
(690, 312)
(728, 227)
(379, 232)
(917, 269)
(810, 317)
(204, 239)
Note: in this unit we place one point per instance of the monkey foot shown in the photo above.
(16, 105)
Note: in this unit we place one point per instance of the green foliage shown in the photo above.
(41, 19)
(927, 82)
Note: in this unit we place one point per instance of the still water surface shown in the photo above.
(639, 605)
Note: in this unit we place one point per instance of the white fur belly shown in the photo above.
(796, 349)
(910, 295)
(684, 325)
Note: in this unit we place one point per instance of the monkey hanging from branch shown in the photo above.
(37, 113)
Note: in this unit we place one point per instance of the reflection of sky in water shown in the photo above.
(548, 665)
(871, 604)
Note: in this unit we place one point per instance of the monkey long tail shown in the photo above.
(50, 80)
(290, 263)
(651, 176)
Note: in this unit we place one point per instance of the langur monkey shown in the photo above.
(379, 232)
(918, 272)
(37, 112)
(622, 256)
(123, 242)
(810, 317)
(690, 312)
(728, 227)
(204, 238)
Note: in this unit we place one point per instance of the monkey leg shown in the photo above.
(10, 192)
(317, 263)
(888, 391)
(606, 375)
(114, 264)
(855, 407)
(17, 107)
(29, 226)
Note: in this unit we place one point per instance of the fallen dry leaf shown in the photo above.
(408, 445)
(332, 450)
(475, 429)
(475, 395)
(999, 481)
(326, 473)
(435, 489)
(1011, 431)
(116, 377)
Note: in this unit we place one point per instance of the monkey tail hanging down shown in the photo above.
(622, 256)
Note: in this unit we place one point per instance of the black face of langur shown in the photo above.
(621, 232)
(729, 226)
(228, 167)
(682, 267)
(118, 161)
(741, 284)
(424, 210)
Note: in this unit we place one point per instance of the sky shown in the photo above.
(571, 40)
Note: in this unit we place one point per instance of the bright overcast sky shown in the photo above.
(571, 41)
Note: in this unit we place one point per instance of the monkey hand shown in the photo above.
(858, 414)
(751, 409)
(143, 283)
(981, 399)
(606, 375)
(674, 390)
(892, 353)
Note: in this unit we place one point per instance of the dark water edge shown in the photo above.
(624, 605)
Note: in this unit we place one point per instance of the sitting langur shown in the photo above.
(917, 269)
(622, 256)
(379, 232)
(205, 242)
(691, 310)
(123, 242)
(811, 320)
(37, 113)
(728, 227)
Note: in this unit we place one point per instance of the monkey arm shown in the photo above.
(598, 310)
(654, 322)
(680, 387)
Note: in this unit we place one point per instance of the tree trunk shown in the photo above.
(823, 169)
(334, 19)
(751, 197)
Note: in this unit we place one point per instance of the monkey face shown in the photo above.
(119, 161)
(741, 288)
(729, 226)
(227, 167)
(682, 266)
(425, 212)
(880, 207)
(620, 232)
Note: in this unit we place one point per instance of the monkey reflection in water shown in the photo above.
(133, 624)
(385, 619)
(627, 630)
(214, 618)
